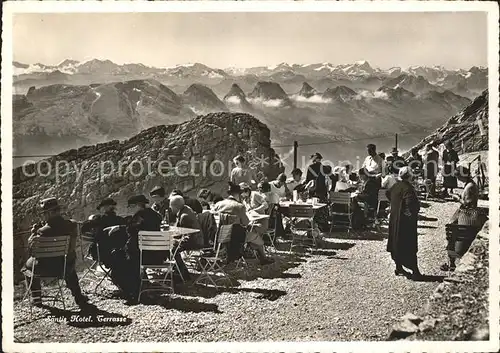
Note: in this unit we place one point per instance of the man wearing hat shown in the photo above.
(55, 224)
(397, 161)
(160, 202)
(143, 218)
(108, 216)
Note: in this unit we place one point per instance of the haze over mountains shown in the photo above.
(73, 103)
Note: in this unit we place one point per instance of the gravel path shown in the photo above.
(346, 291)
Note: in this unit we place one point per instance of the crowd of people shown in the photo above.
(116, 237)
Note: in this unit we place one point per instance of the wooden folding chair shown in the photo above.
(96, 266)
(271, 232)
(156, 241)
(301, 213)
(382, 197)
(342, 199)
(48, 248)
(213, 265)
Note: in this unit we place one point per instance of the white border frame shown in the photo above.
(12, 7)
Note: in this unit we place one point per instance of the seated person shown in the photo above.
(54, 225)
(194, 204)
(368, 192)
(254, 201)
(344, 184)
(233, 206)
(278, 189)
(185, 218)
(295, 182)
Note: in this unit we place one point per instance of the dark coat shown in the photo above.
(450, 160)
(145, 219)
(194, 204)
(431, 165)
(315, 172)
(163, 209)
(403, 241)
(57, 226)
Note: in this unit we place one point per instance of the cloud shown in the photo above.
(268, 103)
(371, 95)
(233, 100)
(313, 99)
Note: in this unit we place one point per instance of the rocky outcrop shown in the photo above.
(236, 96)
(193, 155)
(20, 102)
(341, 93)
(270, 91)
(467, 130)
(397, 94)
(307, 90)
(203, 99)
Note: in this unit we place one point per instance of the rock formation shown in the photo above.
(467, 130)
(307, 90)
(193, 155)
(339, 93)
(270, 91)
(203, 99)
(236, 96)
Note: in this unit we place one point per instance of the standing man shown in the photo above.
(55, 224)
(397, 161)
(403, 237)
(373, 166)
(431, 167)
(450, 160)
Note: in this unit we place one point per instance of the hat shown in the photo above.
(134, 200)
(316, 156)
(405, 172)
(49, 204)
(157, 191)
(106, 202)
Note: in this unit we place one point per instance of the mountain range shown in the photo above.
(359, 75)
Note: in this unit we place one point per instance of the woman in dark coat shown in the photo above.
(403, 241)
(450, 160)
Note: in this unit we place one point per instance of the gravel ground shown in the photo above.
(345, 291)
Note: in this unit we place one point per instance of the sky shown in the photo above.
(454, 40)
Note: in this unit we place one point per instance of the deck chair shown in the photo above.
(211, 266)
(156, 241)
(48, 248)
(299, 233)
(96, 266)
(343, 199)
